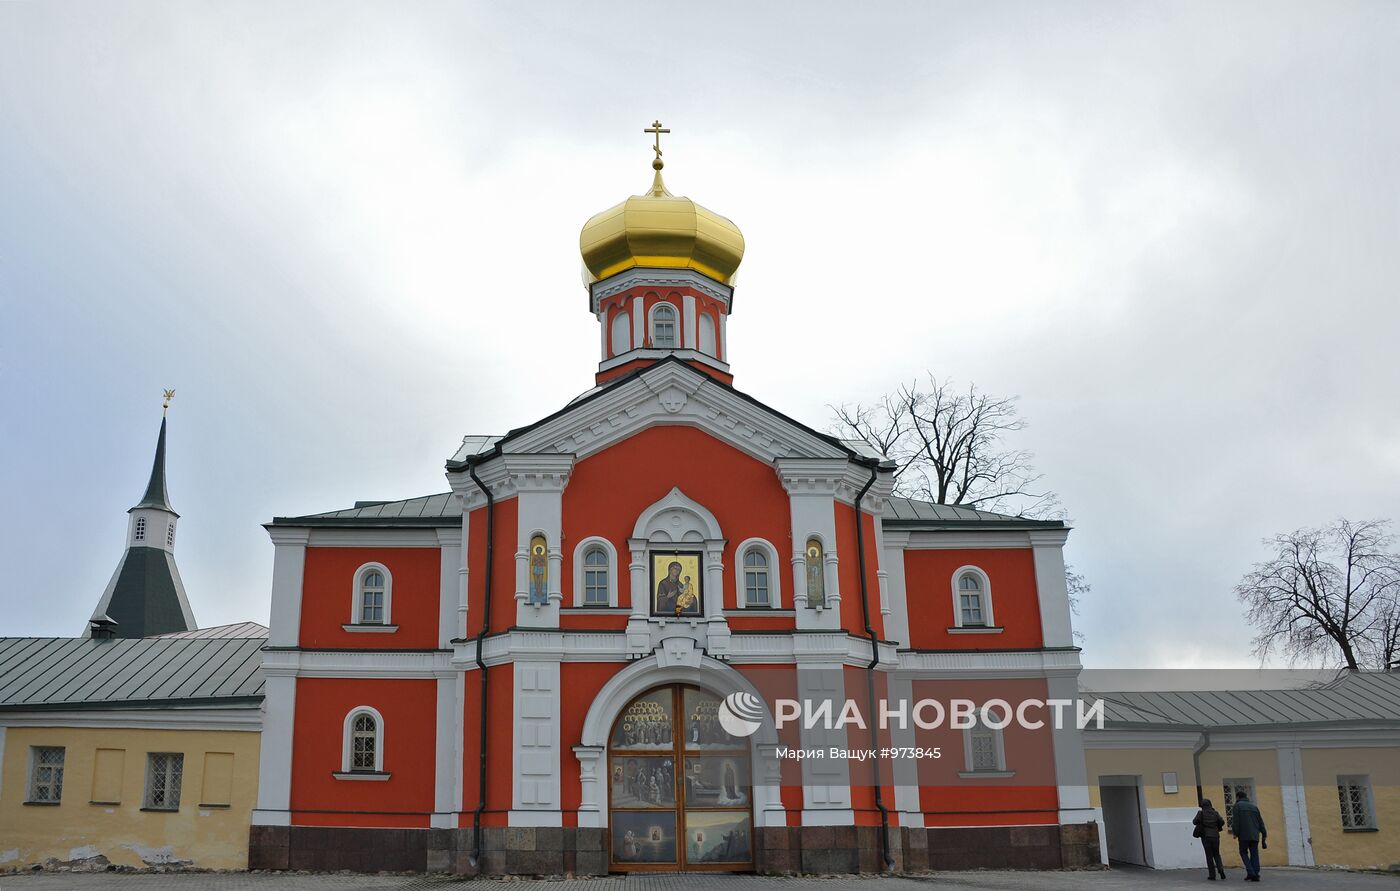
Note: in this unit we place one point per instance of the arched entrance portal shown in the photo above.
(679, 787)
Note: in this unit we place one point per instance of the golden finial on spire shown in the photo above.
(165, 406)
(657, 129)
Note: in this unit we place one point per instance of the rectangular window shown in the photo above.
(1354, 797)
(984, 749)
(373, 611)
(164, 770)
(595, 587)
(972, 609)
(217, 790)
(46, 774)
(1233, 788)
(107, 769)
(756, 587)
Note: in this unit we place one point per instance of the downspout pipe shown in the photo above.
(870, 671)
(1196, 763)
(485, 629)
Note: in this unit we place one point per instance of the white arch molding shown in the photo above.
(673, 666)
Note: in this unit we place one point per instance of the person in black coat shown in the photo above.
(1208, 823)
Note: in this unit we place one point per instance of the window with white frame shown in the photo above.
(756, 570)
(164, 771)
(170, 534)
(373, 596)
(595, 577)
(985, 745)
(663, 327)
(140, 529)
(46, 774)
(1354, 798)
(1234, 790)
(363, 749)
(595, 573)
(971, 605)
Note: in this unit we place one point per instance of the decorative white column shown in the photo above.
(590, 767)
(826, 782)
(717, 630)
(811, 484)
(638, 626)
(892, 563)
(539, 482)
(446, 765)
(690, 336)
(535, 799)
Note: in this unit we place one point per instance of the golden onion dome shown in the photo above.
(660, 230)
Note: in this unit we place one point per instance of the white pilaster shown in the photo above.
(539, 481)
(905, 772)
(1051, 590)
(688, 309)
(1071, 771)
(826, 782)
(639, 322)
(288, 571)
(1297, 831)
(275, 750)
(811, 485)
(449, 578)
(447, 766)
(892, 563)
(590, 773)
(536, 758)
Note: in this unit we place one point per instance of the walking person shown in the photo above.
(1208, 823)
(1248, 828)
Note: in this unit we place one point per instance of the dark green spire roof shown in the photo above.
(156, 496)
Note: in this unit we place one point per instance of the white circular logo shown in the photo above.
(741, 713)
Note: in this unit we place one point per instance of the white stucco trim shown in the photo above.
(655, 671)
(580, 551)
(989, 617)
(775, 592)
(688, 334)
(275, 746)
(1052, 590)
(345, 737)
(357, 600)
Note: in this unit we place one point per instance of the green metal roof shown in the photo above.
(82, 673)
(145, 600)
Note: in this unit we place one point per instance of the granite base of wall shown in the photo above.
(530, 851)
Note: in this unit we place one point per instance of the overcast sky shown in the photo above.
(347, 233)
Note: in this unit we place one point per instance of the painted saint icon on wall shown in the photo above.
(539, 571)
(676, 585)
(816, 574)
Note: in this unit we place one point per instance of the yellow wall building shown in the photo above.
(138, 752)
(1322, 763)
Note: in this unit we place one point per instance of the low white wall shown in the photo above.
(1171, 845)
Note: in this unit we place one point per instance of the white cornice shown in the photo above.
(354, 663)
(687, 354)
(930, 540)
(1026, 663)
(375, 538)
(240, 718)
(284, 535)
(648, 277)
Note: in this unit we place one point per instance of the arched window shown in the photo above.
(539, 571)
(595, 577)
(756, 578)
(170, 535)
(707, 335)
(816, 573)
(595, 573)
(621, 333)
(972, 600)
(372, 600)
(140, 528)
(663, 327)
(362, 748)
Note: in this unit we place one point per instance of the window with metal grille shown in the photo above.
(1233, 788)
(364, 739)
(46, 774)
(970, 600)
(756, 577)
(372, 598)
(140, 528)
(170, 535)
(1354, 797)
(164, 770)
(663, 327)
(595, 577)
(984, 749)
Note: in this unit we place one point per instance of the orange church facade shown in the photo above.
(530, 673)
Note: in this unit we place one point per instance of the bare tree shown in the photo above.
(948, 446)
(1326, 593)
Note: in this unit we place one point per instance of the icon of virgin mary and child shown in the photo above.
(677, 594)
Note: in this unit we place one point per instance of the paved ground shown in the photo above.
(1112, 880)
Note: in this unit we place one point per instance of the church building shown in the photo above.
(566, 663)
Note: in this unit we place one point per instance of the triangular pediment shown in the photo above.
(669, 393)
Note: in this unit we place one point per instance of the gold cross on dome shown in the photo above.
(657, 129)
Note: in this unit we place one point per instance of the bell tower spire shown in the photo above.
(146, 596)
